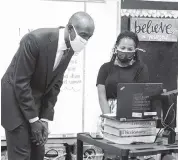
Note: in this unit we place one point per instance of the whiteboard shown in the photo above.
(68, 109)
(77, 96)
(30, 15)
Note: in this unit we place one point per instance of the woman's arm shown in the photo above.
(102, 99)
(102, 76)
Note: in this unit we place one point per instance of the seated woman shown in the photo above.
(124, 67)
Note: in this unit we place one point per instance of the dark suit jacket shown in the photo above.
(27, 87)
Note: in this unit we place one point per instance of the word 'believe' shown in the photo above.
(151, 27)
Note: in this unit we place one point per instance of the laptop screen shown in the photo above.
(133, 99)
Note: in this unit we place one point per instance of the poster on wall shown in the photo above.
(154, 29)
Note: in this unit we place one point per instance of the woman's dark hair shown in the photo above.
(125, 34)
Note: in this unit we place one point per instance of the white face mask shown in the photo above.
(79, 43)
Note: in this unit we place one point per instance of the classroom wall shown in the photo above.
(98, 52)
(77, 107)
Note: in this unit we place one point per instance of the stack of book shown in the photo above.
(128, 132)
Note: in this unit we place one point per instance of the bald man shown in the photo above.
(32, 82)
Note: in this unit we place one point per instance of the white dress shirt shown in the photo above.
(60, 50)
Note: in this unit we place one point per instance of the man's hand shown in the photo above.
(45, 131)
(37, 130)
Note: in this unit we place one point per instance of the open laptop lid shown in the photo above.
(133, 99)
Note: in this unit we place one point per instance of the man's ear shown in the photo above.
(69, 27)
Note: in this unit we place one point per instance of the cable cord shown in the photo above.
(163, 122)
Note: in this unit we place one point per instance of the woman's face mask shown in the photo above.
(125, 56)
(78, 43)
(125, 51)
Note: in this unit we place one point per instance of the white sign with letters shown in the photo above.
(154, 29)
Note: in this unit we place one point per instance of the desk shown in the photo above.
(123, 151)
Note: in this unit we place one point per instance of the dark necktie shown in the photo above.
(65, 54)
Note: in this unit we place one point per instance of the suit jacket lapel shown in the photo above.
(51, 52)
(61, 69)
(65, 61)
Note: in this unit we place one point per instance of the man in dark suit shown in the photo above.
(30, 86)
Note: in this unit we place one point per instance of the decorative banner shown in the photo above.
(150, 4)
(154, 29)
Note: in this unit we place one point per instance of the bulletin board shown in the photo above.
(161, 54)
(160, 57)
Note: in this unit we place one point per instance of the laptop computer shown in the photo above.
(134, 102)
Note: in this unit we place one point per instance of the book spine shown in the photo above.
(128, 140)
(133, 124)
(137, 132)
(130, 132)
